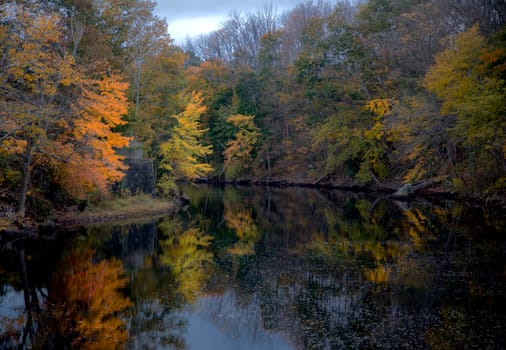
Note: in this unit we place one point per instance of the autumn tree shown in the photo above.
(134, 42)
(55, 119)
(239, 152)
(157, 101)
(183, 155)
(214, 81)
(374, 161)
(476, 98)
(30, 89)
(93, 162)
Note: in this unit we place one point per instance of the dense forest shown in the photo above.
(377, 93)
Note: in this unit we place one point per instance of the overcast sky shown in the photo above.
(193, 17)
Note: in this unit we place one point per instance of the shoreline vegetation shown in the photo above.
(144, 205)
(429, 190)
(117, 209)
(112, 210)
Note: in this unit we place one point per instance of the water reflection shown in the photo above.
(333, 270)
(238, 218)
(85, 300)
(260, 268)
(222, 321)
(74, 304)
(185, 252)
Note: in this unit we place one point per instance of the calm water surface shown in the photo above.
(260, 268)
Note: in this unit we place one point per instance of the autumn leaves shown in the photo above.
(57, 117)
(468, 80)
(184, 155)
(64, 110)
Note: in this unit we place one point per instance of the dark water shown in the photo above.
(259, 268)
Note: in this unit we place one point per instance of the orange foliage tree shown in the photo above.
(93, 162)
(54, 116)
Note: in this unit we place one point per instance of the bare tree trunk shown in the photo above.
(26, 179)
(287, 132)
(269, 165)
(137, 88)
(76, 33)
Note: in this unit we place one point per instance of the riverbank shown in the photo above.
(118, 209)
(428, 190)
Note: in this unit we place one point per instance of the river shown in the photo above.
(265, 268)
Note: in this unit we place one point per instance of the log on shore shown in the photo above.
(408, 191)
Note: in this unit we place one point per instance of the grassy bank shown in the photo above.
(117, 209)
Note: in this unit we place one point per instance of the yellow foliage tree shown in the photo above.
(239, 152)
(33, 73)
(183, 154)
(375, 160)
(476, 99)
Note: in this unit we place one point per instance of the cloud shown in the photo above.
(176, 10)
(193, 17)
(182, 28)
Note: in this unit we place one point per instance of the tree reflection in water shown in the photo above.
(77, 306)
(265, 268)
(239, 219)
(167, 264)
(86, 300)
(335, 270)
(185, 251)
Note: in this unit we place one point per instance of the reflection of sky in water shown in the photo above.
(12, 304)
(221, 322)
(12, 317)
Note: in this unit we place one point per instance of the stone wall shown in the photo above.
(140, 176)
